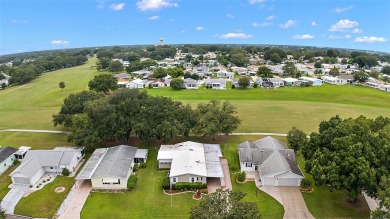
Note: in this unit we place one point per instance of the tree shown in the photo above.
(159, 73)
(348, 154)
(225, 204)
(318, 72)
(244, 82)
(264, 72)
(103, 63)
(177, 84)
(317, 65)
(360, 76)
(103, 83)
(239, 59)
(334, 72)
(3, 86)
(290, 70)
(61, 85)
(74, 104)
(374, 74)
(65, 172)
(384, 197)
(82, 132)
(115, 66)
(386, 70)
(296, 138)
(215, 118)
(275, 58)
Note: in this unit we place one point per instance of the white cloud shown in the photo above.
(153, 18)
(334, 37)
(313, 23)
(200, 28)
(366, 39)
(252, 2)
(263, 24)
(356, 30)
(230, 16)
(303, 37)
(117, 7)
(289, 23)
(60, 42)
(270, 18)
(235, 35)
(341, 10)
(343, 25)
(154, 5)
(16, 21)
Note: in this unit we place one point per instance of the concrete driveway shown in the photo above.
(12, 198)
(75, 205)
(293, 203)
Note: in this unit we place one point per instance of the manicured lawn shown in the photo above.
(45, 202)
(5, 181)
(34, 140)
(325, 204)
(32, 105)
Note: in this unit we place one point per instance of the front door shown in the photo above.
(256, 167)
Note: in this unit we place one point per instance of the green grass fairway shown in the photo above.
(45, 202)
(34, 140)
(31, 106)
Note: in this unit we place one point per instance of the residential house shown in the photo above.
(157, 84)
(272, 82)
(142, 73)
(292, 82)
(219, 84)
(271, 160)
(6, 158)
(225, 74)
(333, 80)
(190, 83)
(236, 85)
(5, 80)
(38, 162)
(110, 168)
(191, 162)
(137, 83)
(312, 81)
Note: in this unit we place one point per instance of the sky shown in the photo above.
(34, 25)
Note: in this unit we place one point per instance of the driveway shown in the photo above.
(226, 174)
(293, 203)
(75, 205)
(213, 184)
(13, 197)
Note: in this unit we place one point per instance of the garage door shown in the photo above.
(288, 182)
(21, 180)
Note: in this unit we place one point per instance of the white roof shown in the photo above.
(309, 79)
(290, 80)
(192, 158)
(141, 153)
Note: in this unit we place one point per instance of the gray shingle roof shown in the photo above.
(51, 158)
(5, 152)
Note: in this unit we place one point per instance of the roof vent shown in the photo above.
(191, 149)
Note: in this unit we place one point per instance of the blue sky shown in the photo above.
(31, 25)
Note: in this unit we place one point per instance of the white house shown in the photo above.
(191, 162)
(274, 162)
(136, 83)
(292, 82)
(21, 152)
(38, 162)
(219, 84)
(225, 74)
(190, 83)
(110, 168)
(271, 82)
(312, 81)
(5, 80)
(236, 85)
(6, 158)
(333, 80)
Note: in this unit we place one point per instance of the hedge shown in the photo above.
(132, 182)
(241, 176)
(190, 185)
(165, 183)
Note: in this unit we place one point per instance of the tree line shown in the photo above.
(349, 154)
(93, 117)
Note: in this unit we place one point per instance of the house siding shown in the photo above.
(6, 163)
(97, 183)
(245, 168)
(186, 178)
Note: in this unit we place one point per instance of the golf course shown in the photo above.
(31, 106)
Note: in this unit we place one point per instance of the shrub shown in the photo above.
(44, 181)
(305, 183)
(65, 172)
(233, 86)
(190, 185)
(205, 191)
(136, 167)
(15, 162)
(150, 86)
(166, 183)
(241, 176)
(255, 85)
(143, 165)
(132, 182)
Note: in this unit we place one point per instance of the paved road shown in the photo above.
(12, 198)
(66, 132)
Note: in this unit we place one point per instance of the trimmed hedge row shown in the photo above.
(132, 182)
(183, 185)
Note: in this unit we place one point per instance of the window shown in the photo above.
(117, 183)
(51, 168)
(174, 179)
(192, 179)
(5, 164)
(248, 164)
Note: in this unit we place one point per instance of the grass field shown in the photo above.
(31, 106)
(45, 202)
(5, 181)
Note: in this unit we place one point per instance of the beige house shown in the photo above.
(191, 162)
(110, 168)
